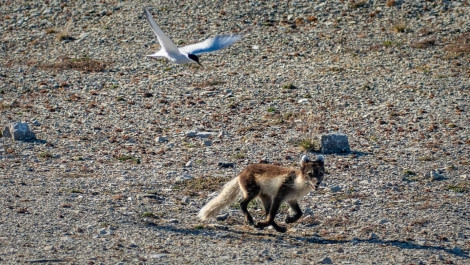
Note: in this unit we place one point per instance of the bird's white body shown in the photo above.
(189, 53)
(178, 57)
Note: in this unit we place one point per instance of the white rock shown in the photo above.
(19, 131)
(334, 143)
(335, 188)
(161, 139)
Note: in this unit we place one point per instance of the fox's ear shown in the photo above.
(304, 159)
(320, 158)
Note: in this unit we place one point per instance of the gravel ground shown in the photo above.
(129, 148)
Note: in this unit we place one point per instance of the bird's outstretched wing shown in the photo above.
(164, 41)
(211, 44)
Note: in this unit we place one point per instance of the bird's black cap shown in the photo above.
(194, 58)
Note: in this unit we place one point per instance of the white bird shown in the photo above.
(189, 53)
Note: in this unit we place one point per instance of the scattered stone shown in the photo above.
(19, 131)
(383, 221)
(457, 250)
(226, 165)
(191, 134)
(161, 139)
(185, 200)
(373, 236)
(334, 143)
(335, 188)
(171, 173)
(189, 164)
(133, 245)
(364, 182)
(49, 248)
(149, 196)
(421, 242)
(207, 142)
(326, 260)
(399, 112)
(264, 160)
(222, 217)
(221, 134)
(185, 177)
(104, 232)
(205, 134)
(202, 135)
(158, 255)
(434, 175)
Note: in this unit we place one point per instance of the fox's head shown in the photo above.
(313, 170)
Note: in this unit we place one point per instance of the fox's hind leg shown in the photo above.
(250, 191)
(294, 206)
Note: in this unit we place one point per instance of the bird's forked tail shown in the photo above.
(226, 197)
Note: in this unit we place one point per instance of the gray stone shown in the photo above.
(221, 134)
(49, 248)
(205, 134)
(326, 260)
(334, 143)
(133, 245)
(383, 221)
(185, 177)
(434, 175)
(185, 200)
(207, 142)
(221, 217)
(457, 250)
(161, 139)
(158, 255)
(336, 189)
(226, 165)
(373, 236)
(104, 232)
(191, 134)
(19, 131)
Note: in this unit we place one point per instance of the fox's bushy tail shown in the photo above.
(226, 197)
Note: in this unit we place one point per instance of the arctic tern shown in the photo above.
(189, 53)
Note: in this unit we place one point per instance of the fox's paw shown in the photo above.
(260, 225)
(290, 219)
(281, 229)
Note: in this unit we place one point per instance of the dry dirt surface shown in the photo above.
(130, 148)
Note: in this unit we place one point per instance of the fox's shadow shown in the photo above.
(257, 235)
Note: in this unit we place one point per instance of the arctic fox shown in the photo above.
(273, 185)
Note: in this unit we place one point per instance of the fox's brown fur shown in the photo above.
(273, 185)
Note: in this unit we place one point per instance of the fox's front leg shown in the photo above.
(267, 201)
(270, 218)
(294, 206)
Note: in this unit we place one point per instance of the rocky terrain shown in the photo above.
(129, 148)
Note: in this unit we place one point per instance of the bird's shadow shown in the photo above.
(262, 235)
